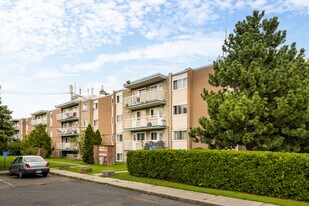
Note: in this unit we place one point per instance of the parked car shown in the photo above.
(29, 165)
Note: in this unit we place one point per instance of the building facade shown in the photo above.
(149, 113)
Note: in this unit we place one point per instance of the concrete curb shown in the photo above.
(171, 193)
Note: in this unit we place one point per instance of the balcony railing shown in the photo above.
(68, 115)
(67, 145)
(146, 97)
(68, 131)
(144, 122)
(39, 121)
(145, 145)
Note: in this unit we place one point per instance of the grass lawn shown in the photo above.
(75, 165)
(8, 160)
(272, 200)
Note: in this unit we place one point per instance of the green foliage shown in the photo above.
(97, 139)
(14, 147)
(6, 127)
(87, 146)
(264, 101)
(37, 140)
(282, 175)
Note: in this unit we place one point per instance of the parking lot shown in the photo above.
(56, 190)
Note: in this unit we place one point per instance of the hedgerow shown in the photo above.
(283, 175)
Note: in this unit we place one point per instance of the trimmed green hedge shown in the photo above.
(283, 175)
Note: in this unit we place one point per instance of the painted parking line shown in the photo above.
(6, 183)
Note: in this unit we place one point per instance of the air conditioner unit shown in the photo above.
(149, 124)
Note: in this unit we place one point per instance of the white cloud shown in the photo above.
(177, 50)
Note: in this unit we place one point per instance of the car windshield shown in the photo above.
(33, 159)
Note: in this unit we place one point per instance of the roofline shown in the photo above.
(37, 113)
(68, 104)
(144, 79)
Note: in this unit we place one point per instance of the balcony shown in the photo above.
(145, 145)
(144, 100)
(68, 116)
(67, 146)
(144, 123)
(35, 122)
(68, 131)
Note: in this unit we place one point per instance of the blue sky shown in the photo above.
(46, 45)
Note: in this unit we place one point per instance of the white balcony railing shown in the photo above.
(145, 121)
(67, 145)
(146, 145)
(144, 97)
(67, 131)
(39, 121)
(67, 115)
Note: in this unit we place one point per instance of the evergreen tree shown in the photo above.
(38, 139)
(97, 139)
(87, 146)
(264, 101)
(6, 127)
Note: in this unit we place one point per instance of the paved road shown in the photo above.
(55, 190)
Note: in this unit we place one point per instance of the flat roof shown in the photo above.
(40, 112)
(145, 81)
(68, 104)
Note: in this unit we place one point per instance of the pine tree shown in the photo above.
(87, 148)
(6, 127)
(97, 139)
(264, 101)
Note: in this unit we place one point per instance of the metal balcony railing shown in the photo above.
(39, 121)
(146, 121)
(67, 115)
(145, 145)
(144, 98)
(68, 131)
(67, 145)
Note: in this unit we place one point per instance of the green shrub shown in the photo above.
(283, 175)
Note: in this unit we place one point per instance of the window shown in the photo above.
(85, 123)
(139, 136)
(119, 118)
(85, 107)
(95, 105)
(156, 87)
(119, 138)
(95, 122)
(180, 109)
(180, 135)
(156, 136)
(156, 112)
(119, 157)
(118, 98)
(180, 83)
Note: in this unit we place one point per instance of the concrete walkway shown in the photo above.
(178, 194)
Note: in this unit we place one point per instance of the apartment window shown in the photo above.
(119, 118)
(95, 106)
(95, 122)
(119, 157)
(156, 112)
(118, 99)
(180, 109)
(85, 107)
(85, 123)
(156, 87)
(180, 83)
(180, 135)
(119, 138)
(156, 136)
(139, 136)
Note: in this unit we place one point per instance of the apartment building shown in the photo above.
(16, 128)
(149, 113)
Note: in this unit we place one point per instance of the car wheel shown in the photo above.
(20, 174)
(10, 172)
(45, 174)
